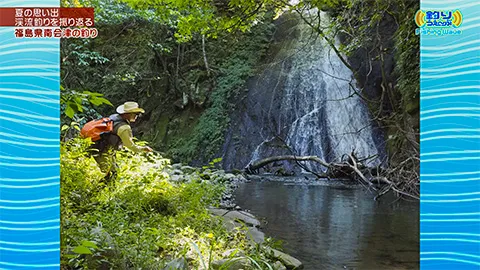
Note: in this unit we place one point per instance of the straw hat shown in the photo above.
(129, 107)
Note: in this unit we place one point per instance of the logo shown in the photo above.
(437, 22)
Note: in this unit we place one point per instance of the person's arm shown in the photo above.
(125, 133)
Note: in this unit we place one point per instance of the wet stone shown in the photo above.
(232, 264)
(233, 253)
(278, 266)
(177, 264)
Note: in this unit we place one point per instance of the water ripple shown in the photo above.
(422, 258)
(31, 201)
(448, 47)
(29, 244)
(28, 91)
(439, 70)
(473, 94)
(30, 207)
(423, 181)
(30, 229)
(31, 250)
(452, 53)
(30, 265)
(451, 220)
(57, 221)
(30, 186)
(30, 179)
(450, 253)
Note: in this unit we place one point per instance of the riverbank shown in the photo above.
(235, 219)
(153, 216)
(334, 224)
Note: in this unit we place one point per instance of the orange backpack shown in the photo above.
(95, 129)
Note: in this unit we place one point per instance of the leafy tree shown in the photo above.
(209, 18)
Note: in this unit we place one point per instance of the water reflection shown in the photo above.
(335, 228)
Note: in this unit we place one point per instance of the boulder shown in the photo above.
(177, 264)
(231, 225)
(177, 178)
(188, 169)
(177, 172)
(237, 219)
(227, 196)
(232, 264)
(243, 216)
(176, 166)
(230, 176)
(278, 266)
(255, 235)
(287, 260)
(233, 253)
(227, 205)
(205, 176)
(241, 178)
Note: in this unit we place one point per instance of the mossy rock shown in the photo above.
(412, 106)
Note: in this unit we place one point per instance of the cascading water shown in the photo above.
(303, 101)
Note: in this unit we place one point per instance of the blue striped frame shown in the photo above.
(449, 140)
(29, 148)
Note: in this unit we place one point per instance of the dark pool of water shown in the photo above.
(335, 227)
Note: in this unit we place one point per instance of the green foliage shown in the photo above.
(86, 247)
(79, 104)
(208, 135)
(358, 21)
(141, 221)
(81, 57)
(160, 70)
(66, 130)
(112, 11)
(212, 163)
(372, 25)
(407, 57)
(206, 17)
(108, 64)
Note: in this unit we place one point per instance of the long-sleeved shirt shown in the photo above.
(126, 135)
(123, 130)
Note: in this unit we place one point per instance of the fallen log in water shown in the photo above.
(251, 168)
(352, 168)
(333, 170)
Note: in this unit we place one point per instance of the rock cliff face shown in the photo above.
(301, 100)
(384, 60)
(369, 67)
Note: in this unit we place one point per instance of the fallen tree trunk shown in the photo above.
(333, 170)
(260, 163)
(352, 168)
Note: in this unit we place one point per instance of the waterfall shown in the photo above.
(304, 101)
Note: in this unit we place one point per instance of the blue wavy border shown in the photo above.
(450, 142)
(29, 148)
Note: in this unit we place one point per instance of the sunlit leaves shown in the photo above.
(82, 250)
(75, 102)
(144, 218)
(89, 244)
(204, 17)
(69, 111)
